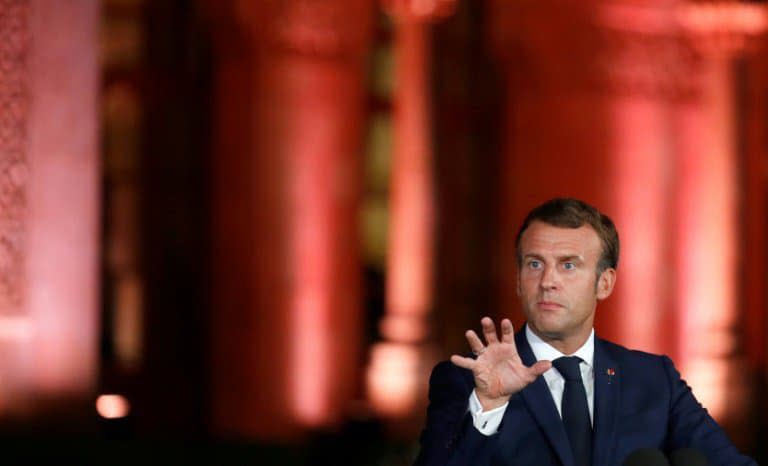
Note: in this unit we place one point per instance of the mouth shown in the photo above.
(549, 305)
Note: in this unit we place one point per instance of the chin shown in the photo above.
(547, 330)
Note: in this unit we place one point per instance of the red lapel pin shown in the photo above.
(610, 373)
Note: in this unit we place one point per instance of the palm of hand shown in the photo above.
(499, 371)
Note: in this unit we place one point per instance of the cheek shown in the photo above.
(526, 285)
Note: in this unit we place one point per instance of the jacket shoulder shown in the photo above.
(635, 361)
(623, 353)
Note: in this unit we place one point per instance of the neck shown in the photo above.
(565, 344)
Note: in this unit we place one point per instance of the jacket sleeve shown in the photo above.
(691, 426)
(449, 438)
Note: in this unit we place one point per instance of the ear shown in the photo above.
(519, 289)
(605, 283)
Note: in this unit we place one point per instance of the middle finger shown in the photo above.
(489, 330)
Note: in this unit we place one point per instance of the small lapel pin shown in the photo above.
(610, 373)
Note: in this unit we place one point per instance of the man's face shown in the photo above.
(558, 283)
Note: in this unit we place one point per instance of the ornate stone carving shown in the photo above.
(657, 63)
(13, 163)
(595, 47)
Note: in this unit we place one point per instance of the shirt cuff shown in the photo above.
(486, 422)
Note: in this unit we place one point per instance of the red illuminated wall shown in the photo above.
(630, 107)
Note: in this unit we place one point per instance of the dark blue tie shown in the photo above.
(575, 410)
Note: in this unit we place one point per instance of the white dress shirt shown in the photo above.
(488, 422)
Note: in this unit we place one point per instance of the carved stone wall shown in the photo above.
(13, 164)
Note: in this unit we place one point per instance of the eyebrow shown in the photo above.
(567, 258)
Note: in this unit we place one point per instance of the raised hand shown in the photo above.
(498, 370)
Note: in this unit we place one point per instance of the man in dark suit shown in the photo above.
(554, 393)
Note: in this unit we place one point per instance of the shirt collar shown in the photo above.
(544, 351)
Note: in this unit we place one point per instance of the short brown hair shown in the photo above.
(573, 213)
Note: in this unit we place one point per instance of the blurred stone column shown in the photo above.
(49, 206)
(399, 365)
(709, 201)
(290, 112)
(647, 68)
(556, 136)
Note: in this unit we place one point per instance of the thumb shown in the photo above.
(541, 367)
(466, 363)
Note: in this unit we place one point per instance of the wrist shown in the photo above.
(489, 403)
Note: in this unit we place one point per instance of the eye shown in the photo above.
(534, 264)
(569, 266)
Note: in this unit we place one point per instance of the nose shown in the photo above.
(549, 278)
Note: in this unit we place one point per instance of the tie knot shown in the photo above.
(568, 367)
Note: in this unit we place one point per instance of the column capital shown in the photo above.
(333, 29)
(419, 10)
(723, 28)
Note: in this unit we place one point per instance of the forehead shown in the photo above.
(542, 238)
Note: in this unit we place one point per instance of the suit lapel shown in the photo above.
(539, 399)
(607, 390)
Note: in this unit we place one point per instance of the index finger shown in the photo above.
(474, 341)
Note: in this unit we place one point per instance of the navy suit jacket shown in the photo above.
(640, 401)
